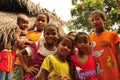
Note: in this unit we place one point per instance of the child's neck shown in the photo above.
(100, 30)
(82, 58)
(81, 55)
(49, 46)
(60, 58)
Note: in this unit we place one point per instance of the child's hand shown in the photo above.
(32, 69)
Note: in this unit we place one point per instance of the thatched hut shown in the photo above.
(9, 9)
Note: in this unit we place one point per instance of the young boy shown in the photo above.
(22, 31)
(21, 42)
(7, 57)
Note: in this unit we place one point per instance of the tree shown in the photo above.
(82, 9)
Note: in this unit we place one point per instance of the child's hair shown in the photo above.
(47, 16)
(71, 32)
(51, 24)
(19, 17)
(78, 34)
(101, 13)
(61, 38)
(9, 44)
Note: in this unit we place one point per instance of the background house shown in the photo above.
(9, 9)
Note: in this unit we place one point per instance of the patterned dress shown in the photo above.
(37, 52)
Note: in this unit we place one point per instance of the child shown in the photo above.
(22, 31)
(56, 67)
(7, 57)
(41, 21)
(38, 51)
(18, 71)
(73, 34)
(105, 49)
(83, 62)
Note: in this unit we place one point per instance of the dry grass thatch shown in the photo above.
(9, 9)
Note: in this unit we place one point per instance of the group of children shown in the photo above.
(76, 56)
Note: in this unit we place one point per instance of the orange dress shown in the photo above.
(104, 53)
(32, 36)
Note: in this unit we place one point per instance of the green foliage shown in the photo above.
(82, 9)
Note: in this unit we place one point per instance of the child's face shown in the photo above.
(9, 47)
(82, 43)
(51, 34)
(72, 35)
(96, 21)
(41, 22)
(23, 24)
(64, 47)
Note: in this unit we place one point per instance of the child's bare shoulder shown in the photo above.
(18, 30)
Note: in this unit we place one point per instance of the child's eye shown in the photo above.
(79, 41)
(54, 33)
(69, 47)
(98, 19)
(43, 20)
(92, 20)
(63, 44)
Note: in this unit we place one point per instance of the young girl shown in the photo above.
(38, 51)
(83, 62)
(7, 57)
(73, 34)
(105, 48)
(56, 67)
(41, 21)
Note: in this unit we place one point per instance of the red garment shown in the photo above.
(84, 71)
(7, 59)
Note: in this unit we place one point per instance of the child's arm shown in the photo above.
(17, 34)
(20, 56)
(46, 67)
(118, 54)
(44, 74)
(32, 27)
(31, 69)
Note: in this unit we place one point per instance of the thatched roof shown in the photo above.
(9, 9)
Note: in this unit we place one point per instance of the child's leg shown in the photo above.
(17, 73)
(9, 75)
(2, 75)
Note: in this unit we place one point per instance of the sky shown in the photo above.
(62, 7)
